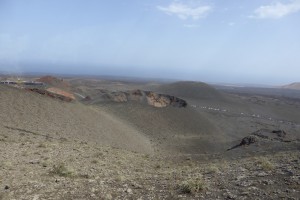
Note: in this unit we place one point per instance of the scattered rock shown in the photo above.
(87, 98)
(248, 140)
(266, 135)
(137, 186)
(288, 172)
(245, 141)
(270, 134)
(229, 195)
(268, 182)
(34, 161)
(129, 191)
(262, 174)
(279, 133)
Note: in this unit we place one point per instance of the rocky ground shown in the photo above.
(38, 167)
(52, 149)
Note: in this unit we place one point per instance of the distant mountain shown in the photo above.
(294, 86)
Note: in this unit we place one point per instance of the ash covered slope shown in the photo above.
(24, 112)
(173, 130)
(211, 121)
(168, 120)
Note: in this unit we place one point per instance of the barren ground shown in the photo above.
(50, 149)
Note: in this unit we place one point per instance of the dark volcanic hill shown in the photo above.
(190, 90)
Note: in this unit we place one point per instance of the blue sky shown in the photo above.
(234, 41)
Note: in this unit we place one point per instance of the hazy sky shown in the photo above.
(237, 41)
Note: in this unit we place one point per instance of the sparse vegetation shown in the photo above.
(265, 164)
(45, 164)
(193, 185)
(120, 178)
(181, 165)
(157, 166)
(212, 169)
(62, 170)
(99, 155)
(42, 145)
(146, 156)
(94, 161)
(6, 165)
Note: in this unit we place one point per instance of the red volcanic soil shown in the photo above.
(61, 92)
(54, 93)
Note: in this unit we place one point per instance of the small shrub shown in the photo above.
(158, 166)
(45, 164)
(86, 176)
(212, 169)
(120, 178)
(62, 170)
(62, 139)
(192, 186)
(94, 161)
(99, 155)
(265, 164)
(42, 145)
(6, 165)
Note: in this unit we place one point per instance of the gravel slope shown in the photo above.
(40, 115)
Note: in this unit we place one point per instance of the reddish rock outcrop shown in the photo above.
(66, 98)
(148, 97)
(158, 100)
(61, 93)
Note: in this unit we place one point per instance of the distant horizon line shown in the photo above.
(139, 79)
